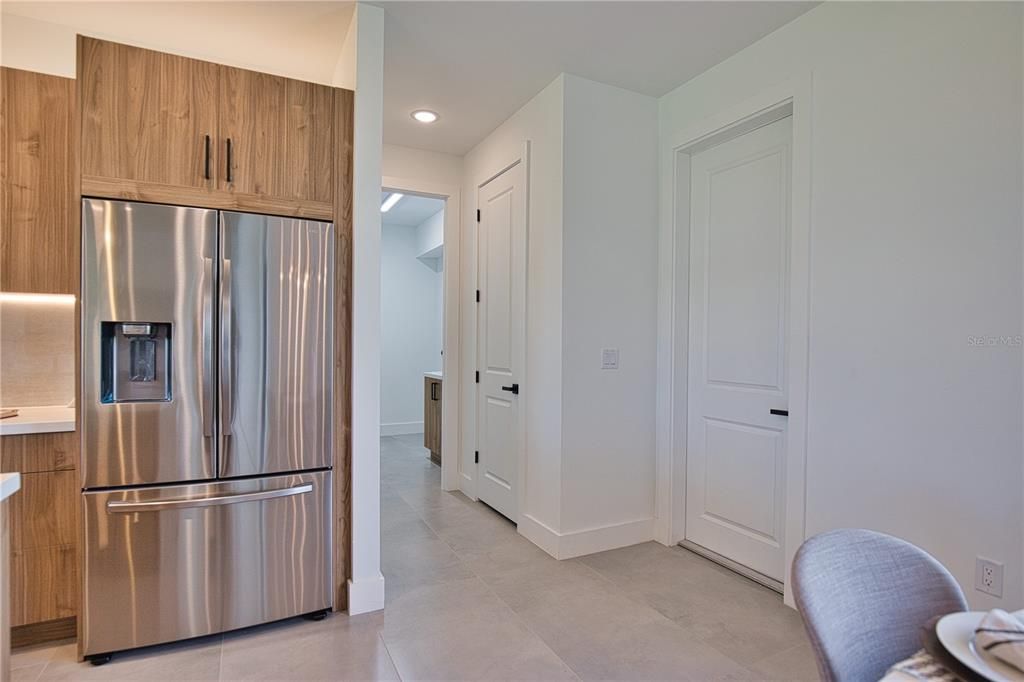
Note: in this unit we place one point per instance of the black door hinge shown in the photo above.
(477, 295)
(476, 456)
(478, 376)
(478, 215)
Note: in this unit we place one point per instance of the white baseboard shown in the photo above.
(401, 428)
(539, 534)
(365, 595)
(589, 541)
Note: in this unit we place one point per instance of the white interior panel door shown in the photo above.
(501, 277)
(739, 291)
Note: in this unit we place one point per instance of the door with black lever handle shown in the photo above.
(513, 389)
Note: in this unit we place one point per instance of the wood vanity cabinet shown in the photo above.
(163, 128)
(39, 242)
(432, 417)
(43, 519)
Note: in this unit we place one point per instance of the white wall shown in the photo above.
(421, 166)
(410, 329)
(366, 585)
(540, 123)
(609, 257)
(916, 245)
(430, 233)
(591, 284)
(263, 36)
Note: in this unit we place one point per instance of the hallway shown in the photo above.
(468, 597)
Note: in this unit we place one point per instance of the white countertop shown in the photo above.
(9, 484)
(39, 420)
(433, 375)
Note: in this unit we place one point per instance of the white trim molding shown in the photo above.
(401, 428)
(451, 364)
(366, 595)
(587, 541)
(792, 97)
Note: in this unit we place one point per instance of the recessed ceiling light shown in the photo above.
(390, 201)
(425, 115)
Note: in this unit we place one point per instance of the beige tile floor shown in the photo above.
(469, 599)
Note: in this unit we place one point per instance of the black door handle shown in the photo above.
(513, 389)
(780, 413)
(206, 162)
(229, 178)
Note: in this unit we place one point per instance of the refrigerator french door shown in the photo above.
(207, 403)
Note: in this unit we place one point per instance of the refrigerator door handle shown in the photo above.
(128, 507)
(207, 341)
(227, 369)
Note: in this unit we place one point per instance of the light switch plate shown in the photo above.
(609, 358)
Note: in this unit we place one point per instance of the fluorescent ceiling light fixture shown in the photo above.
(10, 297)
(425, 115)
(390, 201)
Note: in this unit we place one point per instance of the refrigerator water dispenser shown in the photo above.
(136, 362)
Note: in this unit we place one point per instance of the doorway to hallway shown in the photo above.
(412, 318)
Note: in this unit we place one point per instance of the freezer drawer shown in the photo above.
(169, 563)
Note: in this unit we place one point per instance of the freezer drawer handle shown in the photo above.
(123, 507)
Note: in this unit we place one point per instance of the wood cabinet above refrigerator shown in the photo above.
(167, 129)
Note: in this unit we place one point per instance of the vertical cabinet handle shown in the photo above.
(433, 390)
(229, 179)
(206, 161)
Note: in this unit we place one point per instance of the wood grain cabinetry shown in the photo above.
(146, 115)
(168, 129)
(5, 591)
(38, 208)
(43, 535)
(432, 417)
(277, 136)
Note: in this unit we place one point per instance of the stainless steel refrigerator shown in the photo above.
(207, 439)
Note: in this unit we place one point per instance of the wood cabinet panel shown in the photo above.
(43, 519)
(5, 591)
(432, 417)
(155, 193)
(39, 241)
(44, 584)
(39, 452)
(146, 114)
(276, 136)
(344, 110)
(44, 511)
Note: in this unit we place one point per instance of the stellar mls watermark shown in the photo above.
(995, 341)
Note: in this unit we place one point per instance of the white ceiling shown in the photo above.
(476, 63)
(411, 210)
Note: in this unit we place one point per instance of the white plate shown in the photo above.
(956, 633)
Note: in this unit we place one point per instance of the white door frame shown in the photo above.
(450, 364)
(469, 415)
(673, 305)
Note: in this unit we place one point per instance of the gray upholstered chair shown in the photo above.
(864, 597)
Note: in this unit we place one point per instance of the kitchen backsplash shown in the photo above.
(37, 353)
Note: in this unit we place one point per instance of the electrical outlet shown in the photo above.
(988, 577)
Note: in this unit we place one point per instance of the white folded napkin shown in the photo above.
(1002, 634)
